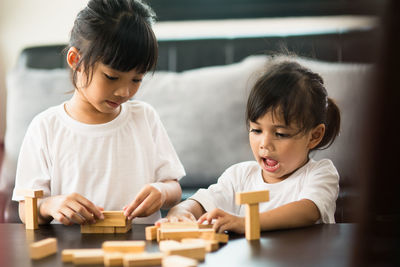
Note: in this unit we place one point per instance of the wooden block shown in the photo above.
(151, 232)
(165, 245)
(92, 229)
(113, 259)
(87, 257)
(43, 248)
(142, 259)
(31, 215)
(178, 261)
(252, 197)
(124, 246)
(194, 251)
(158, 235)
(124, 229)
(112, 218)
(67, 255)
(178, 234)
(184, 225)
(211, 245)
(219, 237)
(252, 222)
(30, 193)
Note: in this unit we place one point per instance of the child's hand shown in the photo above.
(177, 214)
(224, 221)
(70, 209)
(147, 201)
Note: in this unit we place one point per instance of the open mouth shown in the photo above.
(270, 165)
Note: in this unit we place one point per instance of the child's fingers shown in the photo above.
(91, 208)
(160, 221)
(62, 218)
(202, 218)
(71, 215)
(135, 203)
(84, 214)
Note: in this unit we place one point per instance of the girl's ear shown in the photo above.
(316, 135)
(73, 57)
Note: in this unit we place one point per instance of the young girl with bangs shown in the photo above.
(288, 115)
(100, 150)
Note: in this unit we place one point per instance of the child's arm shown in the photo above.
(295, 214)
(67, 209)
(151, 198)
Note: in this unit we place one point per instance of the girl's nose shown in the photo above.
(266, 142)
(123, 91)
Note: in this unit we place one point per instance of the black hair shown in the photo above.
(297, 94)
(116, 33)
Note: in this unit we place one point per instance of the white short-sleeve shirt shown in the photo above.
(317, 181)
(106, 163)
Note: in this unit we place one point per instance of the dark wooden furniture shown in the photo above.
(318, 245)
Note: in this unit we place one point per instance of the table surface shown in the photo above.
(317, 245)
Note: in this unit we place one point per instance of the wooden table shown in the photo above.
(318, 245)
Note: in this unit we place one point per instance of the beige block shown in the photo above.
(30, 193)
(151, 232)
(124, 229)
(142, 259)
(165, 245)
(87, 257)
(194, 251)
(211, 245)
(92, 229)
(252, 222)
(113, 259)
(252, 197)
(31, 215)
(219, 237)
(43, 248)
(178, 234)
(124, 246)
(112, 218)
(178, 261)
(67, 255)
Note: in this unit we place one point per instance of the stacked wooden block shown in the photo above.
(114, 222)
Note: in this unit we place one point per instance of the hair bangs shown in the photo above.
(133, 45)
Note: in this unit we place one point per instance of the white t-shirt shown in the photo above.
(106, 163)
(317, 181)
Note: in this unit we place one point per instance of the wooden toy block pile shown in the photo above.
(180, 243)
(114, 222)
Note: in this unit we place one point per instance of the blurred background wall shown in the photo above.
(27, 23)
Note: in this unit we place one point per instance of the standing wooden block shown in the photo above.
(43, 248)
(142, 259)
(178, 261)
(124, 246)
(252, 219)
(151, 232)
(31, 215)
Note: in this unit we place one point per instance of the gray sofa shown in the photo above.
(203, 112)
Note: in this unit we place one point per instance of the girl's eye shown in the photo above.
(110, 77)
(137, 80)
(282, 135)
(256, 131)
